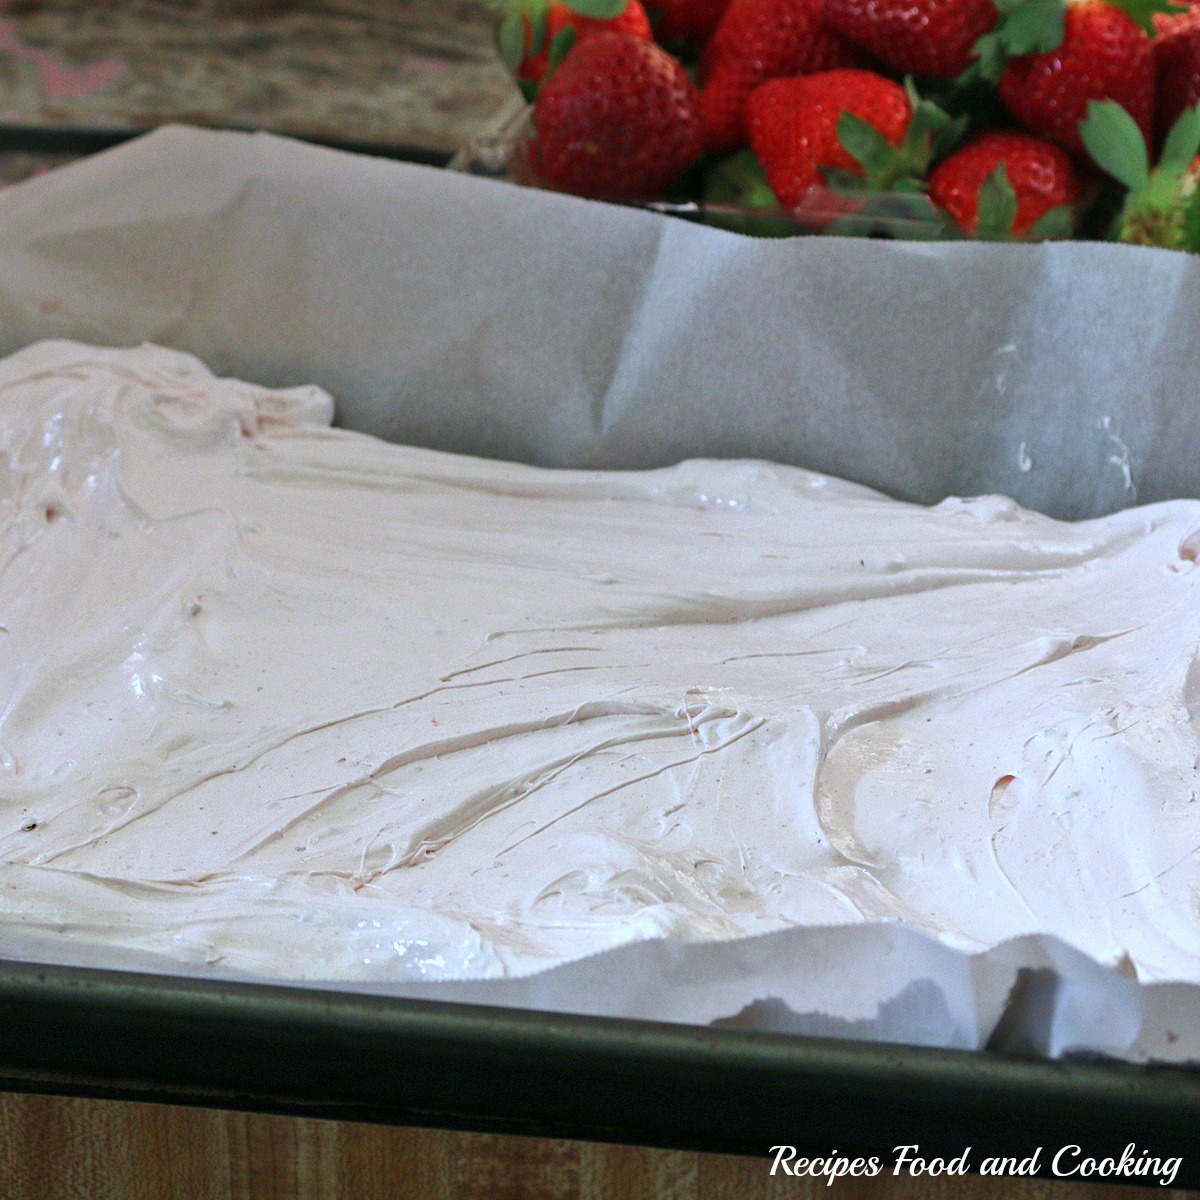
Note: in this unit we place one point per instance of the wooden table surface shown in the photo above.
(54, 1149)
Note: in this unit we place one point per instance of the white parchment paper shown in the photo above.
(470, 315)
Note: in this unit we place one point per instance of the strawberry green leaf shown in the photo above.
(1183, 141)
(1163, 191)
(1057, 223)
(1113, 139)
(996, 205)
(602, 10)
(529, 90)
(927, 121)
(989, 64)
(537, 14)
(865, 144)
(1144, 11)
(1035, 27)
(564, 39)
(1025, 27)
(739, 179)
(888, 168)
(510, 39)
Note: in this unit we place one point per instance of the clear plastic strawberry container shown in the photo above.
(501, 152)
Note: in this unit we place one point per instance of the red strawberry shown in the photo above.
(1041, 175)
(759, 40)
(919, 37)
(793, 125)
(559, 17)
(1177, 62)
(1105, 55)
(691, 21)
(619, 119)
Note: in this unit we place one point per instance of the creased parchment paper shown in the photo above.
(473, 316)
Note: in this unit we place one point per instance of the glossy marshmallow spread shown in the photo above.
(294, 701)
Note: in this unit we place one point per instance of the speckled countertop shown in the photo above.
(418, 76)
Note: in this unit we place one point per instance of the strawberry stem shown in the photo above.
(1161, 206)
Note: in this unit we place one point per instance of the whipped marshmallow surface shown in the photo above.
(298, 702)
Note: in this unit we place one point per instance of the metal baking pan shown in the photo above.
(348, 1056)
(316, 1052)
